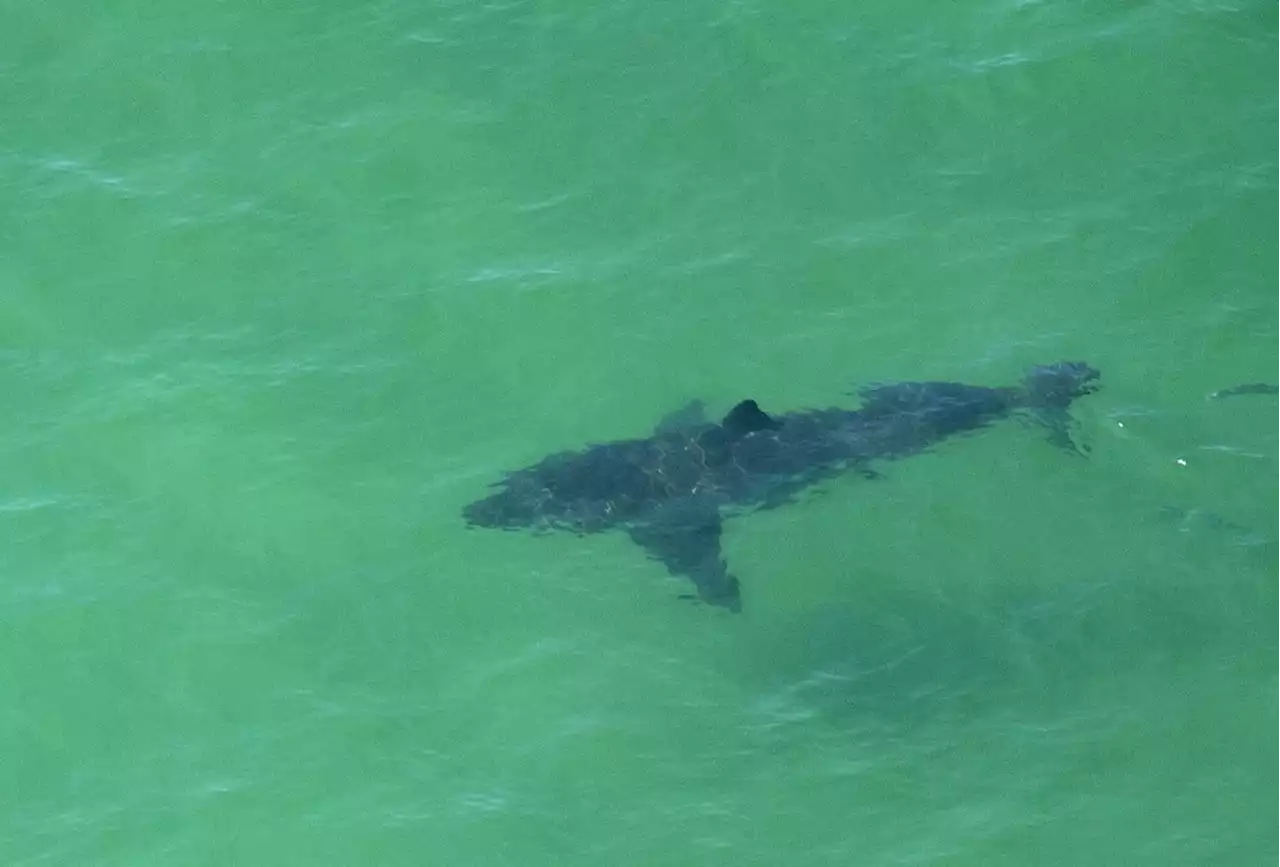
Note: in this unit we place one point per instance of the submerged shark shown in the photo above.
(671, 490)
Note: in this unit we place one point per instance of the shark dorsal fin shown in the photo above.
(747, 417)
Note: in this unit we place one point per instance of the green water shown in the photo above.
(283, 287)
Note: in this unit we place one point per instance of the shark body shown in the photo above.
(670, 491)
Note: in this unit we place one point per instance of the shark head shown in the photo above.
(502, 510)
(1056, 385)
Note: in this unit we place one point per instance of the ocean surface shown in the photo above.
(284, 286)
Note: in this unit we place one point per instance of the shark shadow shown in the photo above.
(671, 490)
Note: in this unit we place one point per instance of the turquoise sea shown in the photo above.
(284, 286)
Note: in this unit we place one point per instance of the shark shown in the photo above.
(671, 491)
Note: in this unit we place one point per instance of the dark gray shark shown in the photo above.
(670, 491)
(1247, 388)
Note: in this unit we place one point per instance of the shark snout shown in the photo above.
(1060, 383)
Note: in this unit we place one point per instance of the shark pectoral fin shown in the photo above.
(693, 414)
(1059, 424)
(685, 537)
